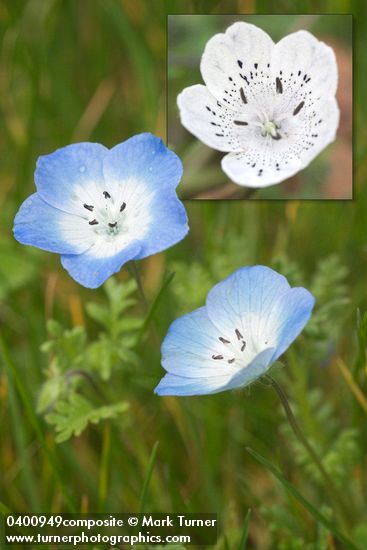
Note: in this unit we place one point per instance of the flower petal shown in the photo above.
(143, 173)
(232, 59)
(145, 158)
(302, 61)
(189, 347)
(259, 168)
(64, 175)
(266, 162)
(291, 314)
(39, 224)
(318, 129)
(207, 119)
(179, 385)
(259, 303)
(92, 268)
(168, 226)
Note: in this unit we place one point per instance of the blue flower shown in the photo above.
(249, 320)
(99, 208)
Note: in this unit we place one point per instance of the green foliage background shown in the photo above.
(80, 361)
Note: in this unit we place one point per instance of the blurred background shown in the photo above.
(73, 71)
(329, 176)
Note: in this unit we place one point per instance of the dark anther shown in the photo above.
(231, 360)
(243, 345)
(279, 86)
(297, 109)
(217, 356)
(223, 340)
(106, 195)
(93, 222)
(88, 207)
(238, 334)
(243, 97)
(239, 63)
(123, 206)
(255, 65)
(112, 224)
(240, 123)
(277, 136)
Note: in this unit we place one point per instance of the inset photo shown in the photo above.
(260, 106)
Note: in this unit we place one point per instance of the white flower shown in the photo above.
(272, 107)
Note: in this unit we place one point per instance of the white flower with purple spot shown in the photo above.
(249, 320)
(272, 107)
(100, 208)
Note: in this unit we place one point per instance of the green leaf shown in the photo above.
(50, 392)
(148, 476)
(71, 417)
(99, 313)
(305, 503)
(66, 346)
(244, 536)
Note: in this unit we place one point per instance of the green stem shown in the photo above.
(104, 467)
(135, 273)
(14, 376)
(329, 484)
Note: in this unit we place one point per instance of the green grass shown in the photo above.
(75, 70)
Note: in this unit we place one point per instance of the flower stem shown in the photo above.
(135, 273)
(329, 484)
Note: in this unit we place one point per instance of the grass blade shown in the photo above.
(148, 476)
(154, 306)
(305, 503)
(244, 536)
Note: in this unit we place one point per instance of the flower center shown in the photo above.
(271, 129)
(107, 218)
(232, 351)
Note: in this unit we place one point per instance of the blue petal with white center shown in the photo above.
(181, 385)
(92, 268)
(39, 224)
(144, 157)
(100, 208)
(248, 321)
(62, 176)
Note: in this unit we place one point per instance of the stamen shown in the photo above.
(277, 136)
(242, 94)
(223, 340)
(93, 222)
(279, 86)
(243, 345)
(240, 123)
(106, 195)
(112, 224)
(297, 109)
(238, 334)
(89, 207)
(217, 356)
(122, 207)
(231, 360)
